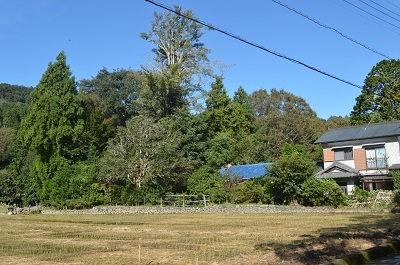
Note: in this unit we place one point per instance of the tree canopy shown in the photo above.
(130, 136)
(380, 97)
(181, 61)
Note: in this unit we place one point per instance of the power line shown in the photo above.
(253, 44)
(379, 10)
(365, 17)
(330, 28)
(384, 8)
(393, 4)
(371, 14)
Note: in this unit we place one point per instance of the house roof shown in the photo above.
(338, 170)
(374, 130)
(246, 171)
(378, 177)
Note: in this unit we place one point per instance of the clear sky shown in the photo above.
(97, 33)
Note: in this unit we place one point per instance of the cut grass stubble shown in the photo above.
(186, 238)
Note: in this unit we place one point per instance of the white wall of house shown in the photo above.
(392, 150)
(347, 185)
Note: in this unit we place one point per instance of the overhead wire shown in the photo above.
(330, 28)
(371, 14)
(393, 4)
(383, 7)
(252, 43)
(366, 17)
(380, 11)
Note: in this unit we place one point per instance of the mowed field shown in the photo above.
(299, 238)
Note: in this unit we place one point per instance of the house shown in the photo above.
(361, 155)
(245, 172)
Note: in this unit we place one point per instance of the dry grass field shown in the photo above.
(308, 238)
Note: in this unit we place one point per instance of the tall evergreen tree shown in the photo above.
(243, 115)
(380, 97)
(181, 63)
(52, 129)
(217, 103)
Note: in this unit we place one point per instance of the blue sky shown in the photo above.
(97, 33)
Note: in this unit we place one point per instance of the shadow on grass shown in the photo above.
(331, 243)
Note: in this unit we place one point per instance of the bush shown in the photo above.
(321, 192)
(360, 195)
(396, 198)
(396, 179)
(249, 191)
(287, 175)
(208, 181)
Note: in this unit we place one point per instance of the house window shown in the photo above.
(344, 154)
(376, 157)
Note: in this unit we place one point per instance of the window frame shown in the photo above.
(348, 153)
(375, 157)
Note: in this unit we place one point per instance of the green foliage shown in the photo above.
(286, 119)
(181, 64)
(380, 98)
(396, 179)
(13, 105)
(217, 114)
(100, 124)
(177, 41)
(193, 131)
(21, 169)
(118, 92)
(250, 191)
(337, 122)
(163, 95)
(53, 131)
(287, 175)
(208, 181)
(221, 150)
(145, 153)
(6, 140)
(360, 195)
(242, 114)
(11, 114)
(71, 186)
(14, 93)
(321, 192)
(396, 198)
(54, 124)
(8, 193)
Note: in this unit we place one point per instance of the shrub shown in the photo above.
(208, 181)
(249, 191)
(360, 195)
(396, 198)
(287, 175)
(396, 179)
(321, 192)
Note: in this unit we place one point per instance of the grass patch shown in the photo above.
(190, 238)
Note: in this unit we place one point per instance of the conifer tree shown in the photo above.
(52, 130)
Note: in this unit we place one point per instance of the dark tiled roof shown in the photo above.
(337, 175)
(377, 177)
(343, 171)
(246, 171)
(374, 130)
(394, 166)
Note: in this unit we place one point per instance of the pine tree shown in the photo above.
(380, 98)
(52, 130)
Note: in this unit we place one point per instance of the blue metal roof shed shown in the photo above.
(246, 171)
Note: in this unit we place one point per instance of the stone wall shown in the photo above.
(249, 209)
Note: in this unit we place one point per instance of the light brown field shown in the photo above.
(190, 238)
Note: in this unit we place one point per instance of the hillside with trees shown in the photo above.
(130, 136)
